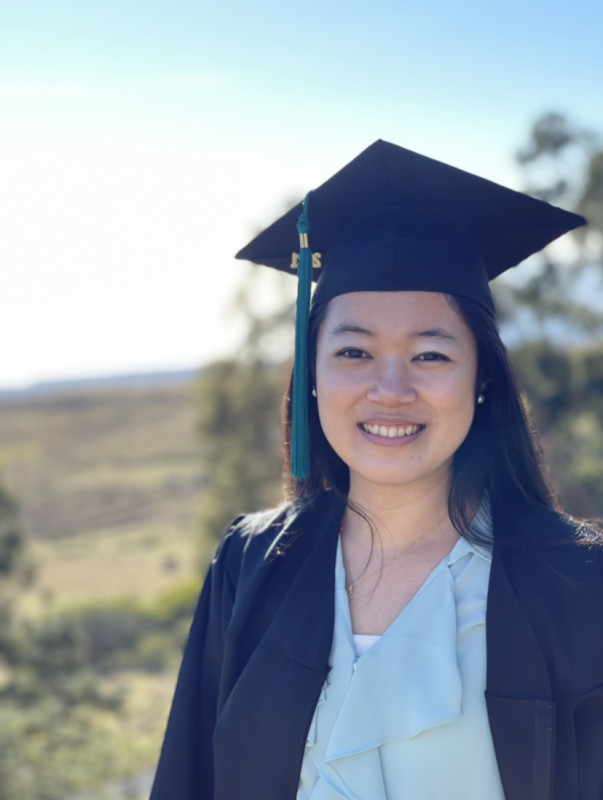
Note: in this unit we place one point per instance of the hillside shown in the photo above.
(107, 478)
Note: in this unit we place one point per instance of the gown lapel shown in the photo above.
(259, 746)
(518, 690)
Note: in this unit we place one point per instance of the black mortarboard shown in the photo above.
(394, 220)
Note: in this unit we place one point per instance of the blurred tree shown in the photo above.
(12, 541)
(556, 148)
(240, 402)
(15, 568)
(564, 390)
(265, 305)
(554, 318)
(554, 295)
(239, 409)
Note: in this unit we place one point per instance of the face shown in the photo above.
(396, 386)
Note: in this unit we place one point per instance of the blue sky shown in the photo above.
(141, 143)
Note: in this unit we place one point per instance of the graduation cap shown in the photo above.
(394, 220)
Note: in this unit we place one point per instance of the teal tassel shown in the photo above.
(300, 445)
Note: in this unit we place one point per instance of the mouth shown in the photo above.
(391, 431)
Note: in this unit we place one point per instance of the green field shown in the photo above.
(108, 482)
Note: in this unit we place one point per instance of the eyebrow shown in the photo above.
(428, 333)
(434, 333)
(347, 327)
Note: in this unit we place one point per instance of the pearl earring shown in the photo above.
(314, 391)
(480, 399)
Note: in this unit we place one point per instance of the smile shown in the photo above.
(391, 431)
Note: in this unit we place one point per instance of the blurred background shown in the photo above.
(142, 143)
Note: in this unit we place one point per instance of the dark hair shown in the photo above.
(500, 454)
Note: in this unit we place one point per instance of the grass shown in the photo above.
(134, 562)
(108, 482)
(83, 462)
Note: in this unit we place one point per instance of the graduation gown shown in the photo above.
(258, 650)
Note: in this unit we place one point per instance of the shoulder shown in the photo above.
(253, 541)
(539, 527)
(555, 546)
(572, 537)
(249, 537)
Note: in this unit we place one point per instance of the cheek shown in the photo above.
(332, 383)
(338, 391)
(453, 397)
(460, 402)
(335, 407)
(330, 401)
(327, 417)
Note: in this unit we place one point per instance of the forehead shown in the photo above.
(404, 311)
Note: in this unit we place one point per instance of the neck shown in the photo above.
(401, 517)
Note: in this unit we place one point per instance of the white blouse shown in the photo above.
(406, 719)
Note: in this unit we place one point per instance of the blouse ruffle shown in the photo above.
(408, 718)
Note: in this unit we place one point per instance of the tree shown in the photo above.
(14, 567)
(559, 308)
(552, 295)
(240, 402)
(564, 390)
(239, 407)
(12, 541)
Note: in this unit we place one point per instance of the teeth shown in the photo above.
(391, 432)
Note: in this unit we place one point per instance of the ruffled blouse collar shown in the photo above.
(413, 668)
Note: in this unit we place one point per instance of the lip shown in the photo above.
(385, 420)
(391, 433)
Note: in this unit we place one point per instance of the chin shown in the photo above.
(397, 475)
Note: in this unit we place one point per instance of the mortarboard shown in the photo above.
(395, 220)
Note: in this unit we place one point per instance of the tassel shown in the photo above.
(300, 445)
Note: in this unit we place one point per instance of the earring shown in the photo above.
(314, 391)
(480, 399)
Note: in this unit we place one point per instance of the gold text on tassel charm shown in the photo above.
(316, 260)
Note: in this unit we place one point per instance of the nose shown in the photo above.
(392, 384)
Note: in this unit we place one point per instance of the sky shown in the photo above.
(144, 142)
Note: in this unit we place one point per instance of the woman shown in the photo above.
(420, 620)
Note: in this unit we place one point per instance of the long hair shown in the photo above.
(500, 454)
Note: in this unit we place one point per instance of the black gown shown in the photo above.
(259, 645)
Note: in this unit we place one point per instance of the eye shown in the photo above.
(352, 353)
(431, 356)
